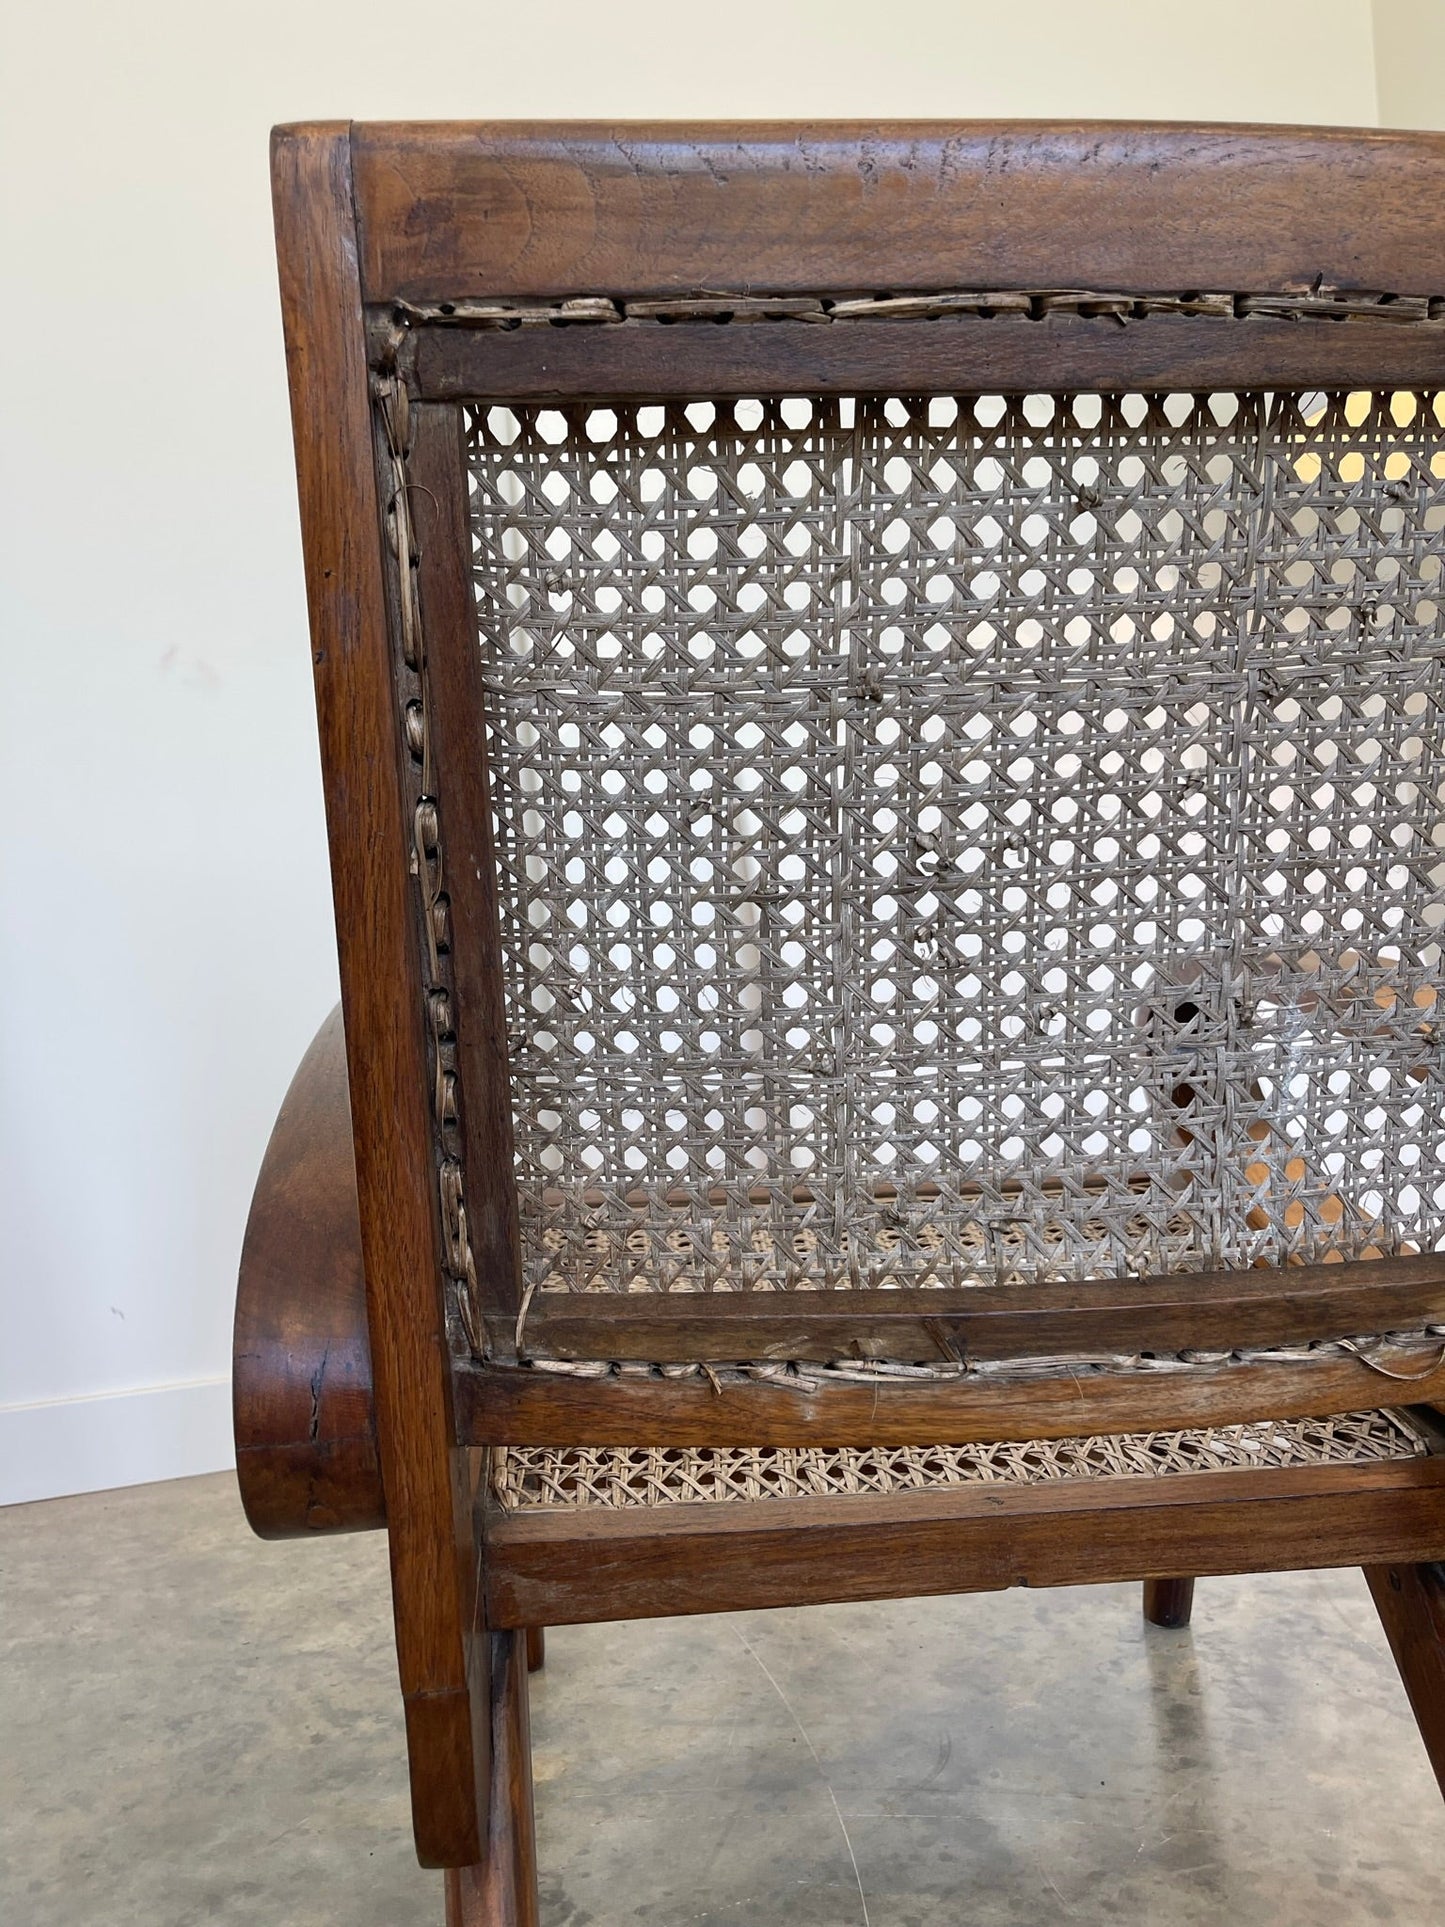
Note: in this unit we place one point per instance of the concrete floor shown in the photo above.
(197, 1727)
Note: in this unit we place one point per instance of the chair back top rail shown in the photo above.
(515, 210)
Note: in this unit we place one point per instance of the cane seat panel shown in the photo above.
(529, 1478)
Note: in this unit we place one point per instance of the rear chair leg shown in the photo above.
(536, 1649)
(1168, 1602)
(1411, 1603)
(502, 1891)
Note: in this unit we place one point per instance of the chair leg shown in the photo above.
(502, 1891)
(536, 1649)
(1168, 1602)
(1411, 1603)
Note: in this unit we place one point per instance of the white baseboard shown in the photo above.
(93, 1443)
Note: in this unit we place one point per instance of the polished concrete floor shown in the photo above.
(195, 1727)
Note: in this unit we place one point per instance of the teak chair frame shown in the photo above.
(427, 266)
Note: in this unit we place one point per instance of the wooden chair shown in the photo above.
(880, 700)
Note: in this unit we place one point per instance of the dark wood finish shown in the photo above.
(502, 1890)
(1168, 1602)
(1410, 1600)
(424, 1480)
(1211, 1311)
(306, 1454)
(383, 214)
(955, 355)
(511, 209)
(536, 1649)
(437, 470)
(558, 1567)
(516, 1406)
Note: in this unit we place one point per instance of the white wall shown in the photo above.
(1410, 62)
(165, 939)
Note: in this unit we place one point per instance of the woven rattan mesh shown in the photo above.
(963, 842)
(525, 1477)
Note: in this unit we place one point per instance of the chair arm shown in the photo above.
(305, 1425)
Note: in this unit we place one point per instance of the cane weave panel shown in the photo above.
(965, 842)
(525, 1478)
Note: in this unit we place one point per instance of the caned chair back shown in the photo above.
(879, 696)
(890, 745)
(964, 840)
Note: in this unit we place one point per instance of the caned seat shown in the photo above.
(880, 701)
(532, 1478)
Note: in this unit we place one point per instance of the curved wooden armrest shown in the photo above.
(305, 1426)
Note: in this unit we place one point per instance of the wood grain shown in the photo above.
(563, 1566)
(512, 209)
(305, 1424)
(958, 355)
(1168, 1602)
(1207, 1311)
(501, 1891)
(502, 1405)
(1410, 1600)
(439, 485)
(427, 1506)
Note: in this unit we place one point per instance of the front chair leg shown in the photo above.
(502, 1891)
(1168, 1602)
(1411, 1603)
